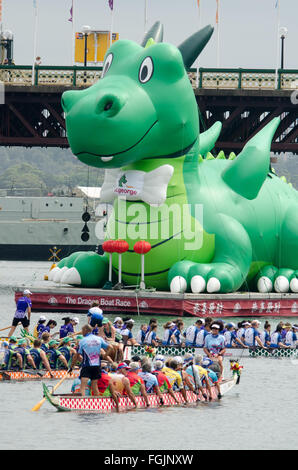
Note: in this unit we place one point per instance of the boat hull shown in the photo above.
(21, 376)
(107, 404)
(235, 353)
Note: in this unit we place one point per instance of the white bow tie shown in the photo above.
(134, 185)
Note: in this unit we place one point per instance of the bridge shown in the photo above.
(244, 100)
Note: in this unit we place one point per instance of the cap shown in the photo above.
(246, 323)
(42, 318)
(105, 320)
(201, 320)
(295, 326)
(13, 339)
(206, 362)
(158, 365)
(67, 339)
(178, 359)
(215, 325)
(118, 319)
(76, 320)
(80, 337)
(188, 359)
(27, 292)
(53, 342)
(95, 310)
(130, 321)
(134, 366)
(22, 341)
(159, 357)
(230, 325)
(123, 365)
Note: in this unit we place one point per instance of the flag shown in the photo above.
(276, 3)
(71, 14)
(111, 4)
(198, 3)
(34, 3)
(217, 14)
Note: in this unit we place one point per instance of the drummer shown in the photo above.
(214, 346)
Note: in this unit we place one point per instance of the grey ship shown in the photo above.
(32, 226)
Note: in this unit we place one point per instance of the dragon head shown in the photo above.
(142, 107)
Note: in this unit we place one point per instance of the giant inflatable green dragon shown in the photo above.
(214, 224)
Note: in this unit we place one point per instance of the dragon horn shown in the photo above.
(155, 33)
(192, 47)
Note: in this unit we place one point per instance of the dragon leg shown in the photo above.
(229, 267)
(86, 269)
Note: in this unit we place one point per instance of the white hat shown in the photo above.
(178, 359)
(95, 310)
(42, 318)
(159, 357)
(27, 292)
(118, 319)
(76, 320)
(246, 323)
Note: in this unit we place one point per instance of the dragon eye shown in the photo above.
(146, 70)
(107, 64)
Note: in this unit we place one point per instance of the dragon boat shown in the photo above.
(67, 402)
(24, 375)
(142, 350)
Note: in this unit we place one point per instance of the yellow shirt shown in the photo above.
(173, 377)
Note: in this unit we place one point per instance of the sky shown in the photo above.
(247, 34)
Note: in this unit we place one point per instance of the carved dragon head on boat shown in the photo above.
(144, 95)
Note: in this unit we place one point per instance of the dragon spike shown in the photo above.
(192, 47)
(209, 156)
(155, 33)
(221, 155)
(232, 156)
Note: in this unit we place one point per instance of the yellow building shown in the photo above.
(98, 43)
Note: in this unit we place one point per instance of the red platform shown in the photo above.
(68, 299)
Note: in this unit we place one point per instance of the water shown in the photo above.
(260, 413)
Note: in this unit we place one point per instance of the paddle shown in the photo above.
(7, 328)
(39, 405)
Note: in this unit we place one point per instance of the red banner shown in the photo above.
(216, 308)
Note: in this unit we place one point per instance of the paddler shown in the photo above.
(175, 379)
(12, 358)
(89, 352)
(64, 347)
(22, 348)
(106, 386)
(22, 313)
(132, 382)
(163, 382)
(39, 357)
(214, 346)
(55, 356)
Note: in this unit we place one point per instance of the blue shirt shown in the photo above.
(65, 330)
(150, 381)
(22, 305)
(214, 343)
(89, 348)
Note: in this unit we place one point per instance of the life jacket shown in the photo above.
(52, 356)
(35, 353)
(65, 350)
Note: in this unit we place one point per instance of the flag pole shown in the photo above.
(198, 60)
(35, 6)
(73, 33)
(277, 43)
(145, 15)
(218, 34)
(112, 21)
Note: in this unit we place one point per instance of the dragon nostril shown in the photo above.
(108, 105)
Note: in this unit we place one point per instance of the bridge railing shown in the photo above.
(206, 78)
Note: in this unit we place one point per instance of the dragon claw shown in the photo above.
(294, 285)
(178, 285)
(198, 284)
(71, 276)
(265, 284)
(213, 285)
(281, 284)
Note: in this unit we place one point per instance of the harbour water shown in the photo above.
(260, 413)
